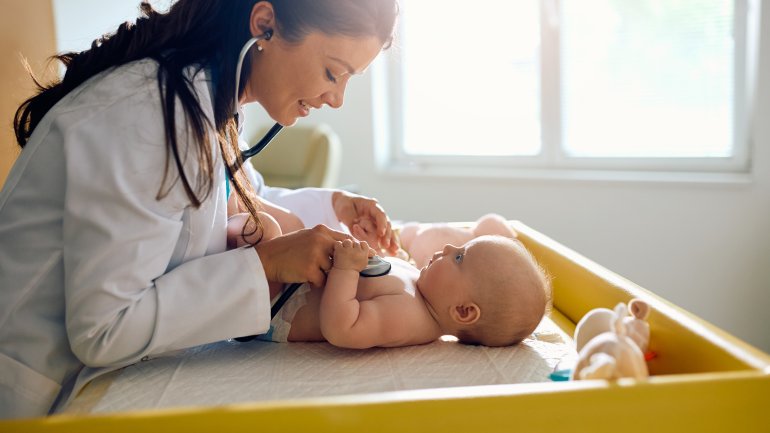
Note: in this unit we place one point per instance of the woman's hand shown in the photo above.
(366, 220)
(304, 255)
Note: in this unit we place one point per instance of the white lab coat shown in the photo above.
(97, 273)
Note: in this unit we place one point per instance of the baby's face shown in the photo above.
(449, 277)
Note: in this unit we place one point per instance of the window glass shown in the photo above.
(635, 79)
(471, 78)
(647, 78)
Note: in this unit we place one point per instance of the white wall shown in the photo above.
(79, 22)
(704, 247)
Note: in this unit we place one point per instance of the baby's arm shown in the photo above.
(346, 322)
(339, 306)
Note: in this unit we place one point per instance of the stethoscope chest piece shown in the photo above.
(376, 267)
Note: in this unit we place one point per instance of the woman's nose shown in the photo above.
(334, 98)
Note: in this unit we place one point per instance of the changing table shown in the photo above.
(703, 379)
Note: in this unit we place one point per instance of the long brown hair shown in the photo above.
(202, 34)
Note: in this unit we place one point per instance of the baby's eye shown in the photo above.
(459, 258)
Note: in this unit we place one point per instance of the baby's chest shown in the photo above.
(372, 287)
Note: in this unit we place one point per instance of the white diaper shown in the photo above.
(280, 325)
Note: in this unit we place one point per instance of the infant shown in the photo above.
(487, 291)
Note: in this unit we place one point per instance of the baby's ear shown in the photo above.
(466, 314)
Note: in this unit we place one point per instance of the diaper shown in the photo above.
(280, 325)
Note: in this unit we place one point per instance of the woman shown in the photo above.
(113, 219)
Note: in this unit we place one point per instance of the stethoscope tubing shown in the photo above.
(253, 150)
(248, 153)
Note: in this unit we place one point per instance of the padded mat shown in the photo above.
(230, 372)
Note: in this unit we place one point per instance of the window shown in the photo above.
(597, 84)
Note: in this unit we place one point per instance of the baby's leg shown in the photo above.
(234, 230)
(287, 221)
(433, 237)
(421, 241)
(238, 237)
(271, 230)
(493, 224)
(407, 234)
(270, 226)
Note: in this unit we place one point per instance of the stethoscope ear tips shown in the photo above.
(267, 35)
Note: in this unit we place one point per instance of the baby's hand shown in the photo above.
(351, 255)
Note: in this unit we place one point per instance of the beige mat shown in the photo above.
(229, 372)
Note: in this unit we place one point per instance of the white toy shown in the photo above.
(599, 320)
(611, 344)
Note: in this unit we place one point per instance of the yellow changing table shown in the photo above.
(703, 380)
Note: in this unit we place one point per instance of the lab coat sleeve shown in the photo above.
(124, 298)
(312, 205)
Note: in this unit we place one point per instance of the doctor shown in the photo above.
(112, 221)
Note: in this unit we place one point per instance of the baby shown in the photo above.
(488, 291)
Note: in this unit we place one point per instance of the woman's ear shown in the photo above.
(262, 18)
(466, 314)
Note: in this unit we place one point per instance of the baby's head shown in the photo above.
(489, 291)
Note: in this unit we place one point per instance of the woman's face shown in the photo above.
(289, 80)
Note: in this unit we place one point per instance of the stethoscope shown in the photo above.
(275, 129)
(376, 266)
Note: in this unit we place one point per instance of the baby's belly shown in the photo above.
(306, 324)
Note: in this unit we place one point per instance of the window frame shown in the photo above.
(387, 85)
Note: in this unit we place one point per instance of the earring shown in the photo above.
(259, 47)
